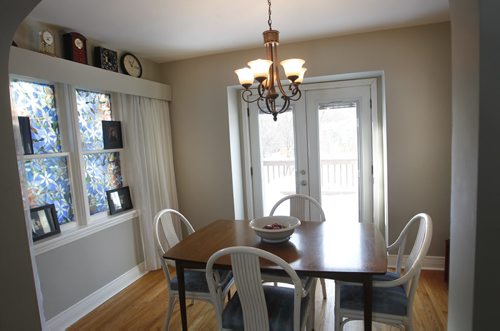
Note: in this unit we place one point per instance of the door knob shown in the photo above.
(302, 172)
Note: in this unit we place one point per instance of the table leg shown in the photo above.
(182, 293)
(368, 296)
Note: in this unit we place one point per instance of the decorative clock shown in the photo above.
(75, 47)
(106, 59)
(131, 65)
(47, 42)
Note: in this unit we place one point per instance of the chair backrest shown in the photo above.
(245, 265)
(300, 204)
(166, 230)
(411, 272)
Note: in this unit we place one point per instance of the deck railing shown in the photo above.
(337, 175)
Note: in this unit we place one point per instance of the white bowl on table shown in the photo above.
(288, 223)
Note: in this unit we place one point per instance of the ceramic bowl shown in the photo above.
(288, 223)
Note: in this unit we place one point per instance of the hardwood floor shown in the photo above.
(142, 306)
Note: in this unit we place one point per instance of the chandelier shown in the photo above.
(267, 74)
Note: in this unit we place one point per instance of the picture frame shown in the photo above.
(44, 222)
(112, 134)
(25, 130)
(119, 200)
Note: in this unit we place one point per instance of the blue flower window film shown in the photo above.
(93, 108)
(37, 101)
(47, 182)
(102, 173)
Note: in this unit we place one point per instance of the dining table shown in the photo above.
(347, 251)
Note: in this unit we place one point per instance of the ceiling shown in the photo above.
(166, 30)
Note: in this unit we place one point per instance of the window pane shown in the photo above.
(102, 173)
(47, 182)
(277, 155)
(37, 101)
(93, 107)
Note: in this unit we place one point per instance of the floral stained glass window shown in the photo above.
(47, 182)
(102, 173)
(46, 178)
(93, 107)
(37, 101)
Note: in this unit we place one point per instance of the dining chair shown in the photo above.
(393, 292)
(300, 205)
(256, 306)
(167, 235)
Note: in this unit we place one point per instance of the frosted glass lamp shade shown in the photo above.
(245, 76)
(292, 68)
(260, 68)
(301, 76)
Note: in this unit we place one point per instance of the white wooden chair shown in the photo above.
(300, 206)
(393, 292)
(194, 279)
(256, 306)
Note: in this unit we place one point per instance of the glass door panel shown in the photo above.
(338, 154)
(277, 158)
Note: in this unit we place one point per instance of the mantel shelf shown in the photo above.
(28, 63)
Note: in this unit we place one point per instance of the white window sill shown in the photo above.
(82, 231)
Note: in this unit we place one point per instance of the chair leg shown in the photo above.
(323, 287)
(338, 318)
(170, 310)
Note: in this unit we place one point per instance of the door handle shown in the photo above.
(303, 182)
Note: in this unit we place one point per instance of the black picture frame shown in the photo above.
(25, 130)
(119, 200)
(44, 222)
(112, 134)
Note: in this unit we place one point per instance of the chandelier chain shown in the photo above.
(269, 21)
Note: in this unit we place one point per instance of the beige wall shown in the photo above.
(27, 36)
(416, 62)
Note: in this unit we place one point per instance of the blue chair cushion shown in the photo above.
(279, 302)
(386, 300)
(195, 281)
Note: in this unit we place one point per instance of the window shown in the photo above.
(47, 178)
(59, 165)
(102, 169)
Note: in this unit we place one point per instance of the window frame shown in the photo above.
(83, 223)
(85, 212)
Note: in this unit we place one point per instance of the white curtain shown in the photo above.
(148, 166)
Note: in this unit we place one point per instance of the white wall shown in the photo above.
(416, 62)
(465, 69)
(474, 270)
(18, 304)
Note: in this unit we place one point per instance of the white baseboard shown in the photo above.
(430, 262)
(77, 311)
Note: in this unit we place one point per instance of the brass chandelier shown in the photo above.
(267, 74)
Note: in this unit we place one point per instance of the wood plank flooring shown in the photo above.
(142, 306)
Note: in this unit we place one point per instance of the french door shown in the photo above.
(321, 147)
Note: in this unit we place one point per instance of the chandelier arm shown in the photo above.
(246, 96)
(296, 93)
(263, 109)
(286, 105)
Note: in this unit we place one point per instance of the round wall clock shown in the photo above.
(131, 65)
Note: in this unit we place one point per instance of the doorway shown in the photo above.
(322, 146)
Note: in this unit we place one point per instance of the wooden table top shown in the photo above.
(319, 249)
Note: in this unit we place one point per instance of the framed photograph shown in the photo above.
(119, 200)
(25, 130)
(44, 222)
(112, 134)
